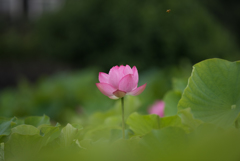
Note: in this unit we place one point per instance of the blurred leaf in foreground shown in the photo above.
(37, 120)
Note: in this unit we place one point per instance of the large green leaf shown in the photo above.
(25, 140)
(171, 121)
(171, 99)
(49, 133)
(20, 145)
(143, 124)
(188, 119)
(26, 130)
(213, 92)
(6, 125)
(37, 120)
(68, 135)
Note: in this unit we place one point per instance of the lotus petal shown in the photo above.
(138, 90)
(106, 89)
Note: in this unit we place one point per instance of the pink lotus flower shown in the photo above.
(121, 81)
(157, 108)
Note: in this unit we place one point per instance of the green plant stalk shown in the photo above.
(158, 120)
(123, 124)
(236, 124)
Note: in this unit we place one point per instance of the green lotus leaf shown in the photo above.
(23, 146)
(171, 100)
(188, 119)
(213, 92)
(68, 135)
(6, 124)
(26, 130)
(37, 120)
(49, 133)
(143, 124)
(24, 141)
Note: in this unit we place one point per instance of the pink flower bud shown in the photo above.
(157, 108)
(121, 81)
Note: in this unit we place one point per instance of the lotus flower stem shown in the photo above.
(236, 124)
(123, 124)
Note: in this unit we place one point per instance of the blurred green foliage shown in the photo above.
(72, 94)
(148, 138)
(56, 97)
(196, 127)
(141, 33)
